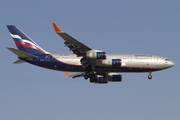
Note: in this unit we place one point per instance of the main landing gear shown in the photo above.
(91, 75)
(150, 76)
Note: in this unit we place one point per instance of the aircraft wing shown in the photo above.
(75, 75)
(74, 45)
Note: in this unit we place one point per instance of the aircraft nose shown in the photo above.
(171, 64)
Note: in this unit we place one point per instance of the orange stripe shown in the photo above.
(56, 28)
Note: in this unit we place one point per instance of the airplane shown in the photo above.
(96, 65)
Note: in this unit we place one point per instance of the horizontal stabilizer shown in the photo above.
(21, 54)
(19, 61)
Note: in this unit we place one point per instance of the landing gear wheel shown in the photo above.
(149, 76)
(86, 77)
(91, 79)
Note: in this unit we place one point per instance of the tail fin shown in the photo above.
(23, 42)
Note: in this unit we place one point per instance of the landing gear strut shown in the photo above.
(87, 75)
(150, 76)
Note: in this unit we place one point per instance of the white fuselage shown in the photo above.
(130, 61)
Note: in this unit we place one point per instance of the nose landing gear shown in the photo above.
(150, 76)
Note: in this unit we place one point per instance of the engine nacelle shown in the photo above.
(100, 80)
(96, 54)
(113, 77)
(112, 62)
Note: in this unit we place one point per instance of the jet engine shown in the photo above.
(113, 77)
(99, 80)
(112, 62)
(96, 54)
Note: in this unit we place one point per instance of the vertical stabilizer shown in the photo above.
(23, 42)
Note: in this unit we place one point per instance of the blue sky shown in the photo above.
(115, 26)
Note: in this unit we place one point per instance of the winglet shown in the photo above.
(67, 74)
(56, 28)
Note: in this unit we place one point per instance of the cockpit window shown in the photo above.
(166, 59)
